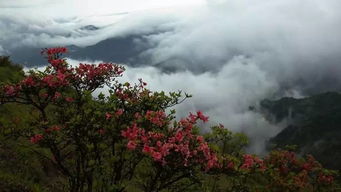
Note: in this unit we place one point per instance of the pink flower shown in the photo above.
(200, 139)
(248, 162)
(212, 162)
(159, 144)
(55, 80)
(307, 166)
(53, 51)
(28, 81)
(56, 63)
(10, 90)
(56, 128)
(69, 99)
(91, 72)
(61, 76)
(53, 128)
(157, 156)
(36, 138)
(156, 117)
(165, 148)
(147, 149)
(230, 165)
(131, 132)
(202, 117)
(137, 116)
(327, 179)
(179, 136)
(107, 116)
(57, 95)
(119, 112)
(119, 70)
(188, 125)
(192, 118)
(131, 145)
(144, 139)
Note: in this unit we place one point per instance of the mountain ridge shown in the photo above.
(314, 125)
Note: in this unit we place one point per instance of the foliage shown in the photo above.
(313, 125)
(125, 141)
(9, 73)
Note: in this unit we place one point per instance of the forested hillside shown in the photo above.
(314, 125)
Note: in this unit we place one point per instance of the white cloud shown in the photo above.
(69, 8)
(37, 31)
(224, 96)
(240, 51)
(297, 47)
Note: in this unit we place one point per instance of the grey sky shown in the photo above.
(68, 8)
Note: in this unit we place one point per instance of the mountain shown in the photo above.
(118, 50)
(122, 49)
(89, 28)
(314, 125)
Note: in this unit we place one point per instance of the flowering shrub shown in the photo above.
(175, 147)
(291, 173)
(125, 141)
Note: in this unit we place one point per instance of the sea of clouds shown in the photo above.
(229, 54)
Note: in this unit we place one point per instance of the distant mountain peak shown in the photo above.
(89, 28)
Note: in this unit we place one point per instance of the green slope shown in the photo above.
(314, 125)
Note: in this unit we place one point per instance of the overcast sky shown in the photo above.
(67, 8)
(230, 54)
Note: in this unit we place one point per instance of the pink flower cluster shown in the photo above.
(53, 128)
(199, 115)
(29, 81)
(131, 94)
(179, 146)
(58, 65)
(156, 117)
(325, 179)
(48, 85)
(120, 93)
(36, 138)
(69, 99)
(284, 161)
(252, 162)
(301, 170)
(11, 90)
(117, 114)
(53, 51)
(56, 80)
(91, 72)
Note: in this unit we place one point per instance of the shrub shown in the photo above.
(125, 141)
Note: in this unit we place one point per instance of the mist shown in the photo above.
(229, 55)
